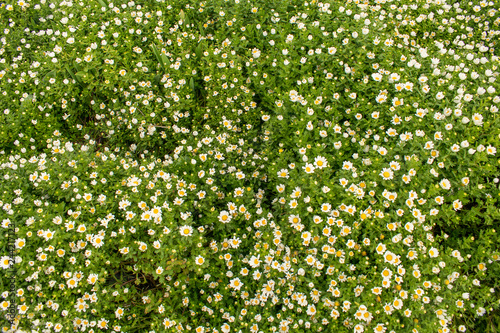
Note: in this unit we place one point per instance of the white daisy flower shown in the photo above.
(236, 284)
(320, 162)
(186, 230)
(308, 168)
(224, 217)
(445, 184)
(387, 174)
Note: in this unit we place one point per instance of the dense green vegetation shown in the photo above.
(250, 166)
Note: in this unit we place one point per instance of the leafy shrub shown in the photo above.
(234, 166)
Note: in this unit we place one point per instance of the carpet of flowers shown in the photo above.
(250, 166)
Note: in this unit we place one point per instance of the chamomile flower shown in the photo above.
(199, 260)
(294, 219)
(236, 284)
(433, 252)
(308, 168)
(457, 205)
(186, 230)
(320, 162)
(224, 217)
(6, 262)
(283, 173)
(326, 207)
(48, 235)
(254, 261)
(97, 241)
(387, 174)
(445, 184)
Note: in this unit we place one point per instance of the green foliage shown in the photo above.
(233, 166)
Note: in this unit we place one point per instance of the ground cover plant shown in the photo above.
(250, 166)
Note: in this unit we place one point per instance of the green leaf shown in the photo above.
(102, 3)
(77, 67)
(165, 60)
(158, 57)
(77, 79)
(202, 30)
(191, 84)
(49, 75)
(80, 74)
(157, 79)
(154, 49)
(198, 51)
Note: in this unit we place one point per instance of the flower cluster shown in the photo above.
(229, 166)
